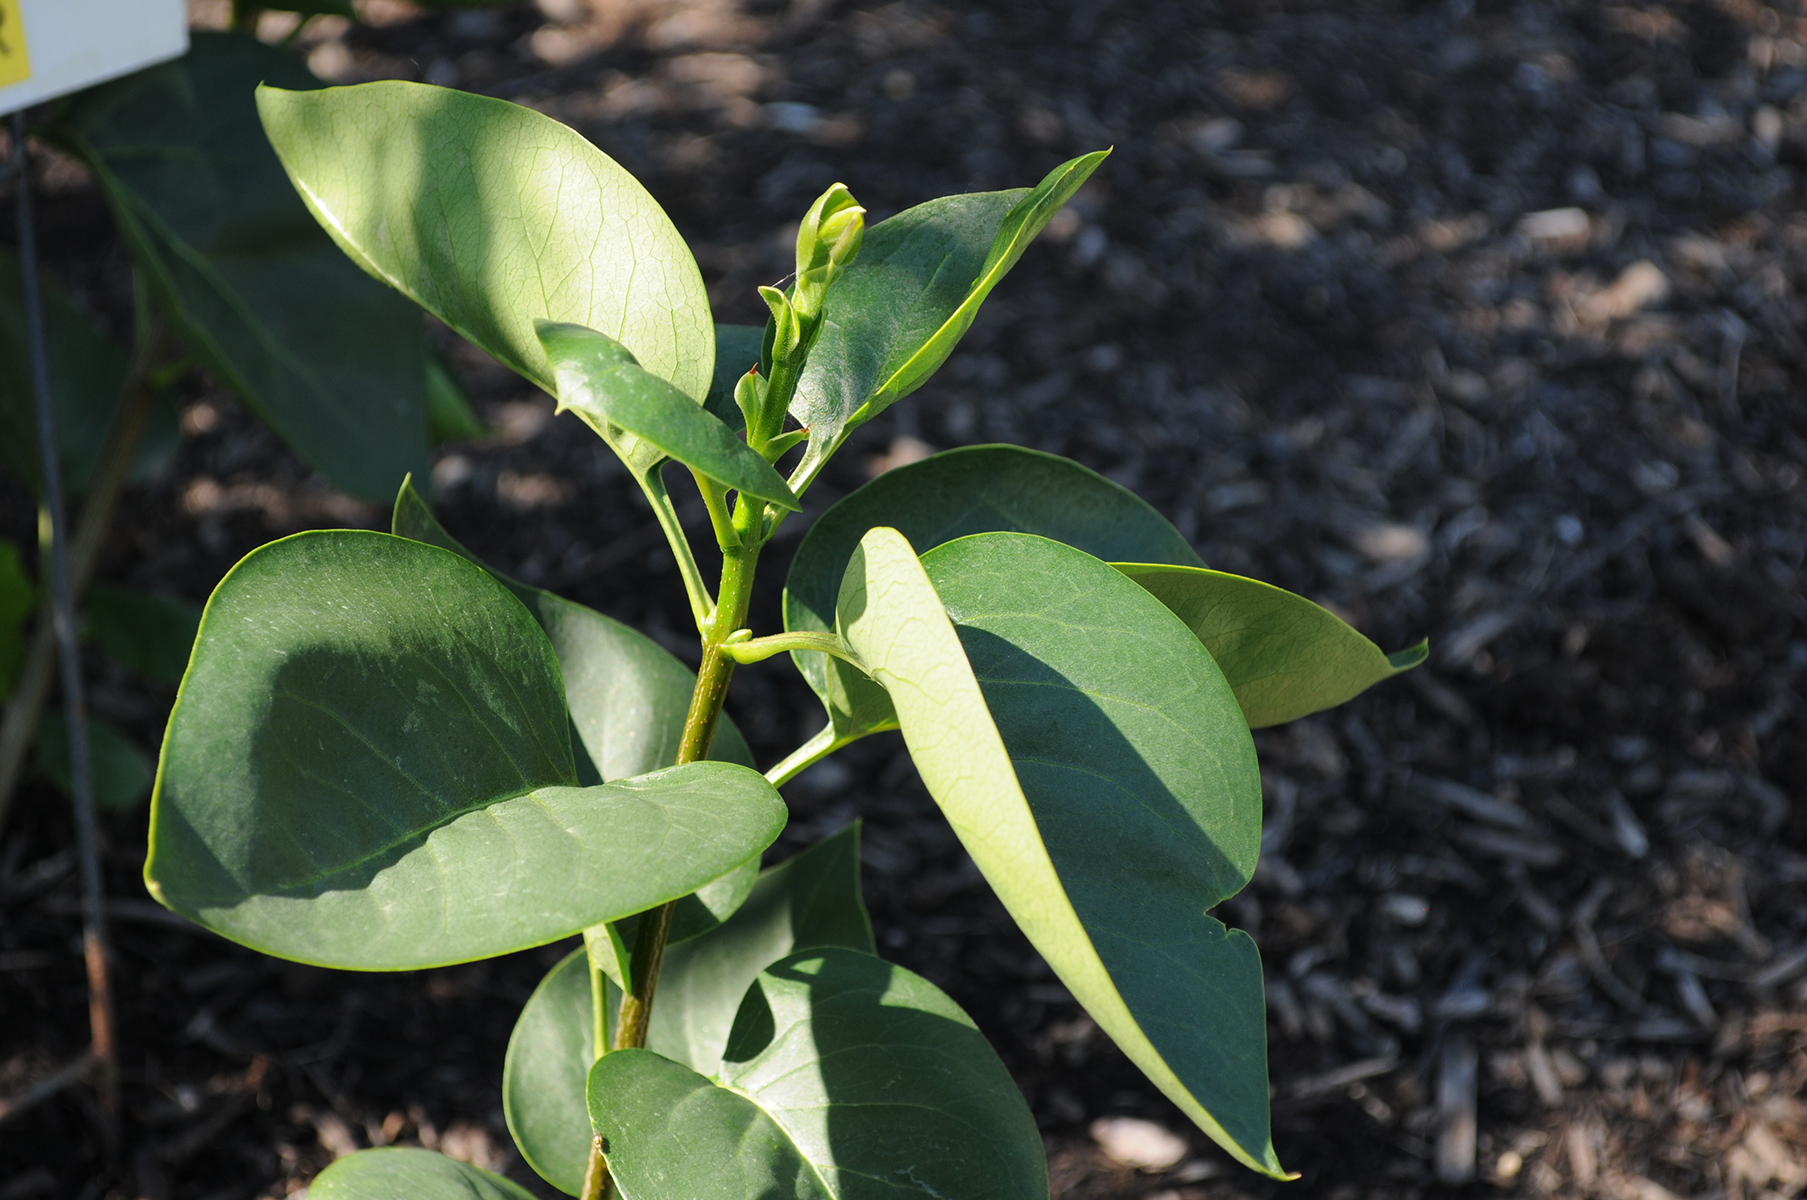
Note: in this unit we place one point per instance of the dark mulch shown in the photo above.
(1320, 308)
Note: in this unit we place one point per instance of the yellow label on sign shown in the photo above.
(15, 65)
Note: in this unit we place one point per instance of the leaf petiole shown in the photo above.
(744, 648)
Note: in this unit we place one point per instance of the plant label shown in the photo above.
(49, 48)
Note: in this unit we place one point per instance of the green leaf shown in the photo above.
(405, 1173)
(330, 359)
(811, 900)
(976, 489)
(1284, 656)
(491, 216)
(737, 349)
(845, 1076)
(120, 771)
(627, 694)
(1093, 760)
(147, 635)
(87, 374)
(369, 767)
(17, 599)
(449, 414)
(599, 380)
(543, 1077)
(896, 314)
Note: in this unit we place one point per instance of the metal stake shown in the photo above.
(94, 910)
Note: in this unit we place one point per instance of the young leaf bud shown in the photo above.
(827, 242)
(784, 317)
(749, 395)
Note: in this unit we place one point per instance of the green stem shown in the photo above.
(702, 607)
(752, 649)
(825, 742)
(631, 1024)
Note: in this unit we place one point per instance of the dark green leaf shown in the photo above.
(598, 379)
(369, 767)
(1284, 656)
(329, 358)
(87, 374)
(978, 489)
(449, 414)
(901, 308)
(404, 1173)
(147, 635)
(736, 352)
(490, 216)
(845, 1077)
(1093, 760)
(811, 900)
(120, 771)
(17, 599)
(627, 694)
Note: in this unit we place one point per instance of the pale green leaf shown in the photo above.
(1092, 759)
(492, 216)
(1284, 656)
(975, 489)
(598, 379)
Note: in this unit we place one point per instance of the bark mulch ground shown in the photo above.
(1479, 322)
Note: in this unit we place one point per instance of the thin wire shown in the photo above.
(94, 911)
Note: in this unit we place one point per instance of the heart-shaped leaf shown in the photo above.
(1284, 656)
(903, 305)
(1094, 762)
(394, 1172)
(369, 766)
(333, 361)
(976, 489)
(812, 900)
(598, 379)
(491, 216)
(845, 1077)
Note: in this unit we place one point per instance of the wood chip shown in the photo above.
(1456, 1128)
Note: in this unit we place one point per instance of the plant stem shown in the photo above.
(736, 591)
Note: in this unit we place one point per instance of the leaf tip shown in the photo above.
(1411, 656)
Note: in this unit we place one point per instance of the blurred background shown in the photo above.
(1480, 321)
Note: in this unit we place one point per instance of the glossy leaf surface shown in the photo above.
(1094, 762)
(121, 773)
(976, 489)
(369, 767)
(903, 305)
(406, 1173)
(148, 635)
(845, 1078)
(1284, 656)
(490, 216)
(598, 379)
(330, 359)
(811, 900)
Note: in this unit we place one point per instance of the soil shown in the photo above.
(1475, 322)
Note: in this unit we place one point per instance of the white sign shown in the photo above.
(49, 48)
